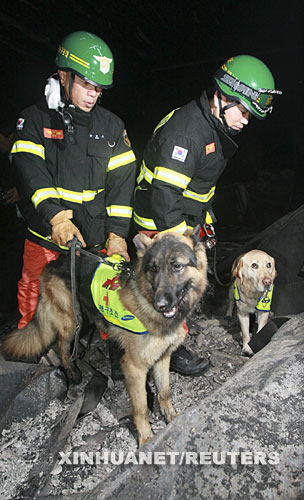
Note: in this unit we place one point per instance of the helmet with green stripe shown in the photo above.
(88, 56)
(247, 80)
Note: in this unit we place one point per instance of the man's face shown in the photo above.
(83, 94)
(236, 117)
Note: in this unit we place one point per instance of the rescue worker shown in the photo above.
(187, 153)
(75, 168)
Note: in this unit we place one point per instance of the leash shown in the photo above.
(75, 245)
(215, 272)
(119, 266)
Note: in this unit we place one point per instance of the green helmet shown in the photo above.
(88, 56)
(247, 80)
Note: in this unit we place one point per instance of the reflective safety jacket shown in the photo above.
(104, 288)
(264, 303)
(94, 176)
(182, 162)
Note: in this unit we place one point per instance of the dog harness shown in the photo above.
(104, 288)
(264, 302)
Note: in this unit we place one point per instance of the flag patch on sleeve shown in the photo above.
(179, 153)
(210, 148)
(51, 133)
(20, 123)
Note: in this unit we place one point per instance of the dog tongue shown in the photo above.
(171, 313)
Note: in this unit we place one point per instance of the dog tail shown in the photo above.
(30, 341)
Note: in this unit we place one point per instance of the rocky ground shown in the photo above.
(26, 446)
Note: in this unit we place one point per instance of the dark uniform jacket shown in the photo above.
(93, 175)
(182, 162)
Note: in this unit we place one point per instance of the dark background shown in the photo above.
(165, 54)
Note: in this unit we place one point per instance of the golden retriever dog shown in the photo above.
(254, 274)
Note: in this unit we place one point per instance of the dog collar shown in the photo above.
(264, 302)
(185, 328)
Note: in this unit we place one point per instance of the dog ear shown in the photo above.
(237, 268)
(141, 242)
(275, 274)
(194, 234)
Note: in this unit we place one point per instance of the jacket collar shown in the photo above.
(229, 147)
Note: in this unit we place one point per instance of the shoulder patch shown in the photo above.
(51, 133)
(179, 153)
(126, 139)
(164, 120)
(20, 123)
(210, 148)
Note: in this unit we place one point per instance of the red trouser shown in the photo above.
(35, 258)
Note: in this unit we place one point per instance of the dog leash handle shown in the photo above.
(75, 245)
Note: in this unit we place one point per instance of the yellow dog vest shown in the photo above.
(104, 288)
(264, 302)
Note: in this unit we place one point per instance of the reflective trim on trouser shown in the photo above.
(35, 258)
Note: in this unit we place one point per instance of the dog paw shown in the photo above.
(247, 351)
(74, 376)
(168, 412)
(144, 437)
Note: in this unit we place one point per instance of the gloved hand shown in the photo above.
(63, 230)
(117, 244)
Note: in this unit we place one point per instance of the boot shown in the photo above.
(115, 354)
(188, 364)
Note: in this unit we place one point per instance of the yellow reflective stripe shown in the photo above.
(149, 224)
(88, 195)
(145, 173)
(42, 194)
(140, 177)
(77, 59)
(202, 198)
(64, 194)
(47, 238)
(28, 147)
(180, 228)
(144, 222)
(119, 211)
(172, 177)
(119, 160)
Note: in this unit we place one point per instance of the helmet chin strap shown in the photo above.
(222, 110)
(66, 116)
(69, 100)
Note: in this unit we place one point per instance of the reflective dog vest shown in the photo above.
(264, 302)
(104, 288)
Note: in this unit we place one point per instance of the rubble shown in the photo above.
(109, 426)
(35, 453)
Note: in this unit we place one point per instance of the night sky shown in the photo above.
(165, 54)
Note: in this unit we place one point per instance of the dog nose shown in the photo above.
(161, 304)
(267, 281)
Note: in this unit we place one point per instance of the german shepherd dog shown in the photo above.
(169, 278)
